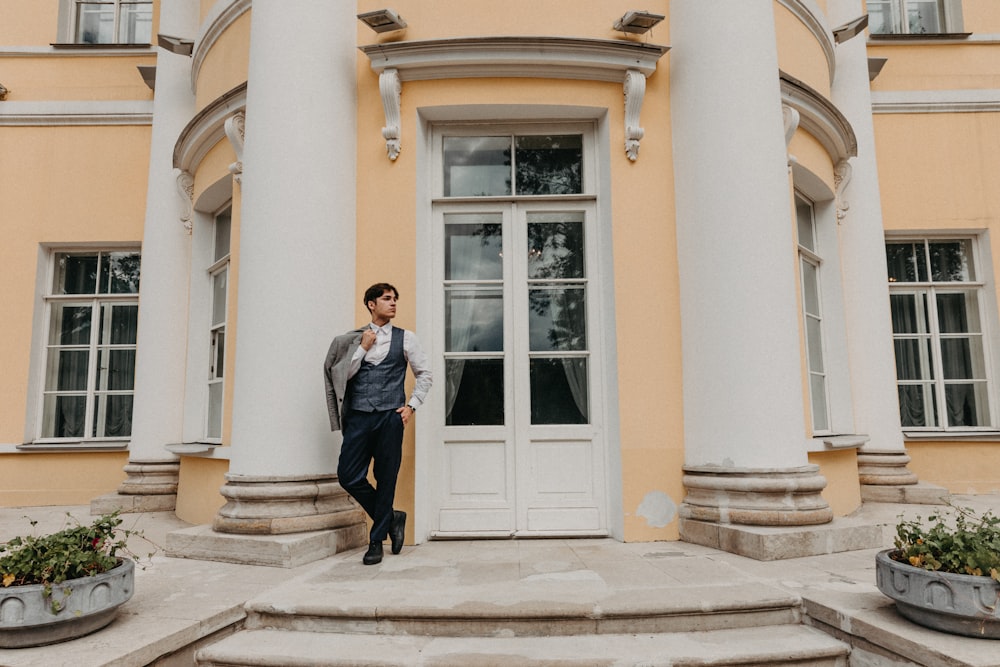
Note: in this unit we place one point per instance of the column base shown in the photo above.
(756, 497)
(778, 543)
(260, 505)
(148, 487)
(884, 468)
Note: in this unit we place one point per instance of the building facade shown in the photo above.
(708, 264)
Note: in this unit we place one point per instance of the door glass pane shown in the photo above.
(804, 221)
(64, 416)
(218, 353)
(223, 229)
(474, 391)
(116, 370)
(473, 319)
(473, 246)
(119, 273)
(112, 416)
(70, 325)
(913, 358)
(907, 262)
(75, 274)
(476, 166)
(555, 245)
(67, 370)
(219, 281)
(559, 391)
(962, 358)
(557, 318)
(122, 326)
(549, 164)
(918, 405)
(951, 261)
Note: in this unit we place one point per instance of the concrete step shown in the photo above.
(764, 646)
(499, 611)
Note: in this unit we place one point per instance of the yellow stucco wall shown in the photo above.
(960, 467)
(76, 78)
(840, 468)
(799, 53)
(225, 65)
(59, 478)
(199, 481)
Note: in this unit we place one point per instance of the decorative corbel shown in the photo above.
(185, 189)
(791, 118)
(842, 173)
(635, 91)
(391, 88)
(236, 131)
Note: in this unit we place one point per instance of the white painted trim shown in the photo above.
(83, 51)
(77, 112)
(814, 19)
(222, 15)
(207, 128)
(820, 117)
(536, 57)
(936, 101)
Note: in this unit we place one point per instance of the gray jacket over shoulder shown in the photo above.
(336, 369)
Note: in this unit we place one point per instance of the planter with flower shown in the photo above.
(946, 575)
(65, 584)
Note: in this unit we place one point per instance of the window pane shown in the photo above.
(218, 354)
(115, 370)
(135, 25)
(64, 416)
(473, 320)
(474, 392)
(958, 313)
(913, 359)
(70, 324)
(112, 416)
(951, 261)
(476, 166)
(219, 281)
(559, 391)
(880, 17)
(214, 426)
(223, 229)
(76, 273)
(810, 287)
(95, 23)
(549, 164)
(962, 358)
(906, 262)
(804, 221)
(817, 386)
(918, 405)
(122, 326)
(557, 319)
(909, 313)
(67, 370)
(966, 404)
(119, 273)
(814, 344)
(473, 246)
(923, 16)
(555, 245)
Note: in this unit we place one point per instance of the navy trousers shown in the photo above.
(372, 436)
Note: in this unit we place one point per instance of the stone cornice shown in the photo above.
(207, 128)
(538, 57)
(222, 15)
(810, 14)
(75, 112)
(820, 118)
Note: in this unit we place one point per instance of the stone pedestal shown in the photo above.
(281, 505)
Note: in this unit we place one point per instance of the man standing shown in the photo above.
(365, 370)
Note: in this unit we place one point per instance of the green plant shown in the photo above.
(962, 543)
(71, 553)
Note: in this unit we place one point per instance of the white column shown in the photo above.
(882, 461)
(157, 412)
(296, 267)
(744, 424)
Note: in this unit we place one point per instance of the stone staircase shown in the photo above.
(416, 613)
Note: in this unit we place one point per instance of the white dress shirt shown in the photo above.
(411, 350)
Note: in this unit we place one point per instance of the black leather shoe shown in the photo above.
(374, 554)
(397, 530)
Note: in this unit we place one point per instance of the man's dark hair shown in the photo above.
(377, 290)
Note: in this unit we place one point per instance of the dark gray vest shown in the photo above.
(377, 387)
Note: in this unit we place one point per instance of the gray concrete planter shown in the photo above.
(961, 604)
(88, 604)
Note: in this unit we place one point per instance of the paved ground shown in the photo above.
(178, 600)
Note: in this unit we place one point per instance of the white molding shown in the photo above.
(813, 18)
(222, 15)
(71, 52)
(635, 92)
(207, 128)
(820, 118)
(842, 173)
(124, 112)
(936, 101)
(235, 127)
(185, 190)
(391, 89)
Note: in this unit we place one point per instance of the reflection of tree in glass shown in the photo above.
(567, 312)
(123, 270)
(949, 261)
(555, 251)
(549, 165)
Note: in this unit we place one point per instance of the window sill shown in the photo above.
(827, 443)
(92, 47)
(205, 450)
(68, 446)
(962, 436)
(936, 37)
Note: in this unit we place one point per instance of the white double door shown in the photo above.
(518, 448)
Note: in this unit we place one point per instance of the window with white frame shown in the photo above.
(938, 298)
(219, 274)
(914, 17)
(810, 264)
(93, 309)
(111, 21)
